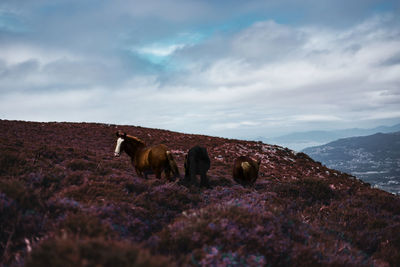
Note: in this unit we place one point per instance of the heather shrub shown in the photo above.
(26, 198)
(50, 154)
(59, 206)
(167, 197)
(304, 157)
(56, 156)
(11, 163)
(389, 247)
(238, 228)
(127, 220)
(20, 216)
(97, 192)
(74, 179)
(377, 223)
(287, 190)
(381, 200)
(363, 224)
(85, 225)
(310, 189)
(220, 181)
(315, 190)
(136, 187)
(103, 169)
(121, 165)
(214, 256)
(9, 217)
(205, 227)
(81, 165)
(163, 202)
(381, 241)
(92, 252)
(53, 181)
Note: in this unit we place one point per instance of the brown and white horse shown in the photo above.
(146, 160)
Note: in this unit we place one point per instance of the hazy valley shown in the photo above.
(374, 158)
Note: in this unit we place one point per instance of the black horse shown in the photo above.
(197, 162)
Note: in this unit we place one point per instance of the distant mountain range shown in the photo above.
(374, 158)
(300, 140)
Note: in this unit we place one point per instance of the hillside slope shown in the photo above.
(374, 158)
(66, 201)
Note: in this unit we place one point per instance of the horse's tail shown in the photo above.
(172, 164)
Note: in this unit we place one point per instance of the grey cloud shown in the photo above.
(16, 77)
(268, 41)
(260, 78)
(19, 70)
(392, 61)
(338, 80)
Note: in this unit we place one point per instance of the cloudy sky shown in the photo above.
(227, 68)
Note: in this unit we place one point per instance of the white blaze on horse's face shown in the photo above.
(117, 152)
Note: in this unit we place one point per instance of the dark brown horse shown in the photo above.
(146, 160)
(245, 170)
(197, 161)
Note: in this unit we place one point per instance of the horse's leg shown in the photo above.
(136, 168)
(167, 172)
(187, 171)
(157, 173)
(138, 172)
(204, 180)
(193, 169)
(186, 166)
(193, 179)
(187, 176)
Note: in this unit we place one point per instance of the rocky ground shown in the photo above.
(66, 201)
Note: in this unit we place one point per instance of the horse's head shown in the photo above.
(127, 143)
(119, 147)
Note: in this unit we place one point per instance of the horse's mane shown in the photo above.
(135, 139)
